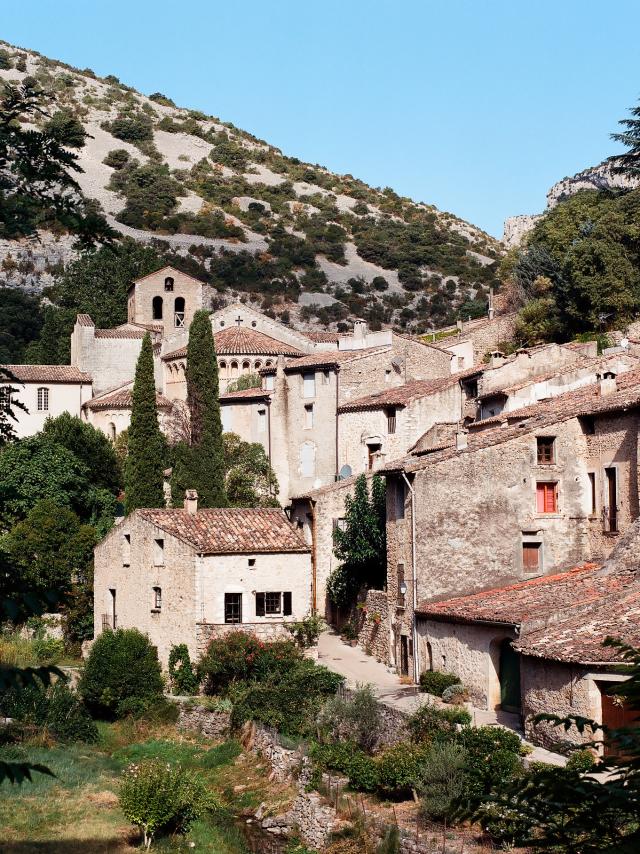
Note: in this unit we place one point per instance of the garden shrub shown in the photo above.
(455, 694)
(399, 768)
(183, 679)
(581, 761)
(239, 657)
(306, 632)
(429, 723)
(347, 758)
(492, 758)
(435, 681)
(160, 799)
(441, 780)
(56, 709)
(352, 718)
(122, 674)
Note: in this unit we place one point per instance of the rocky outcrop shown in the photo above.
(517, 227)
(598, 177)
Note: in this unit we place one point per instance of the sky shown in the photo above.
(476, 106)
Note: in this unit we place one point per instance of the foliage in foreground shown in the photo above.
(55, 709)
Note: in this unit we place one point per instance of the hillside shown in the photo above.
(237, 212)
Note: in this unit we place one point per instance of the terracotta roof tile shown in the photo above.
(402, 395)
(245, 394)
(240, 342)
(84, 320)
(230, 530)
(323, 337)
(48, 374)
(122, 332)
(328, 359)
(120, 398)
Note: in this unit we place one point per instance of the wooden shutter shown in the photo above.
(546, 498)
(259, 604)
(530, 556)
(286, 605)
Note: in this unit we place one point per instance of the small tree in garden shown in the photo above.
(183, 679)
(144, 465)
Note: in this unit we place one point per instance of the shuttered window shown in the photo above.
(309, 384)
(531, 557)
(233, 607)
(546, 450)
(286, 605)
(547, 497)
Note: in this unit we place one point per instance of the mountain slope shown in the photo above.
(247, 218)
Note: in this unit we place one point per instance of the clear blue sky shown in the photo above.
(477, 106)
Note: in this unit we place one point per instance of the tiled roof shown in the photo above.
(581, 402)
(47, 374)
(238, 341)
(328, 359)
(170, 270)
(122, 332)
(516, 603)
(84, 320)
(400, 395)
(230, 530)
(578, 637)
(120, 398)
(245, 394)
(323, 337)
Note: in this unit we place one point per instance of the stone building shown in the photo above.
(38, 392)
(187, 575)
(110, 412)
(550, 491)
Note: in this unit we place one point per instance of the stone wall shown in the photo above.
(205, 632)
(484, 334)
(213, 723)
(373, 634)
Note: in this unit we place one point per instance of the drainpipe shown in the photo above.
(414, 628)
(337, 404)
(314, 564)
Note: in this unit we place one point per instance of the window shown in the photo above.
(611, 497)
(373, 453)
(269, 382)
(246, 367)
(391, 420)
(157, 598)
(168, 284)
(309, 384)
(308, 416)
(43, 400)
(178, 313)
(400, 499)
(233, 607)
(402, 587)
(593, 503)
(273, 603)
(588, 425)
(234, 370)
(531, 557)
(547, 497)
(546, 450)
(156, 308)
(126, 549)
(326, 377)
(339, 524)
(287, 608)
(251, 563)
(308, 459)
(158, 552)
(262, 420)
(5, 398)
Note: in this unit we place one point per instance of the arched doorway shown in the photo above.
(509, 675)
(156, 308)
(178, 313)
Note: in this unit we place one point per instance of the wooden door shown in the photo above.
(616, 715)
(509, 677)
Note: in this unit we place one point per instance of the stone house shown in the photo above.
(550, 491)
(45, 391)
(110, 412)
(537, 646)
(187, 575)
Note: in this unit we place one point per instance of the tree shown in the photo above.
(20, 323)
(36, 166)
(629, 162)
(245, 381)
(50, 547)
(88, 445)
(200, 465)
(144, 466)
(250, 481)
(360, 544)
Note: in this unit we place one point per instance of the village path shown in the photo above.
(358, 668)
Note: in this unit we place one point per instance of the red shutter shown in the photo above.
(546, 497)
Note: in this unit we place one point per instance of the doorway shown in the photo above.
(404, 655)
(616, 714)
(509, 676)
(114, 618)
(612, 498)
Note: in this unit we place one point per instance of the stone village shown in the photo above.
(512, 494)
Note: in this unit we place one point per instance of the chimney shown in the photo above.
(607, 383)
(497, 358)
(491, 312)
(191, 501)
(461, 440)
(360, 330)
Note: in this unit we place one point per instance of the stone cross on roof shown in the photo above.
(238, 320)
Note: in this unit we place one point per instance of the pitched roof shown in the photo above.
(122, 332)
(166, 269)
(230, 530)
(120, 398)
(327, 359)
(402, 395)
(238, 341)
(516, 603)
(581, 402)
(322, 337)
(84, 320)
(47, 374)
(245, 394)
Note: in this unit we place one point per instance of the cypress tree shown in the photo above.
(146, 445)
(200, 465)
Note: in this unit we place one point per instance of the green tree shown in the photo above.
(50, 547)
(629, 162)
(360, 544)
(245, 381)
(20, 323)
(250, 481)
(144, 466)
(200, 465)
(88, 445)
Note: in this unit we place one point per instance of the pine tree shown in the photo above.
(200, 465)
(146, 447)
(629, 162)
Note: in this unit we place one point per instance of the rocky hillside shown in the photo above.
(241, 214)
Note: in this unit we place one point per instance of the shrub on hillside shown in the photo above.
(399, 768)
(240, 657)
(163, 800)
(441, 780)
(56, 709)
(122, 674)
(353, 718)
(435, 681)
(132, 127)
(117, 159)
(492, 759)
(429, 723)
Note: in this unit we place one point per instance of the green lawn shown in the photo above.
(77, 811)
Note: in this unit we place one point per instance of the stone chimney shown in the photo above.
(191, 501)
(607, 382)
(491, 312)
(461, 439)
(360, 330)
(496, 358)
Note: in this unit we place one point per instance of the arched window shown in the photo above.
(168, 283)
(257, 365)
(246, 367)
(156, 308)
(178, 312)
(268, 363)
(43, 400)
(234, 370)
(111, 431)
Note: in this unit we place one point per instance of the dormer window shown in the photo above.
(168, 283)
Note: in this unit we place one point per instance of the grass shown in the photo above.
(77, 810)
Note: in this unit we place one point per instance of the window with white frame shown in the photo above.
(158, 552)
(269, 382)
(308, 416)
(157, 598)
(43, 399)
(309, 384)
